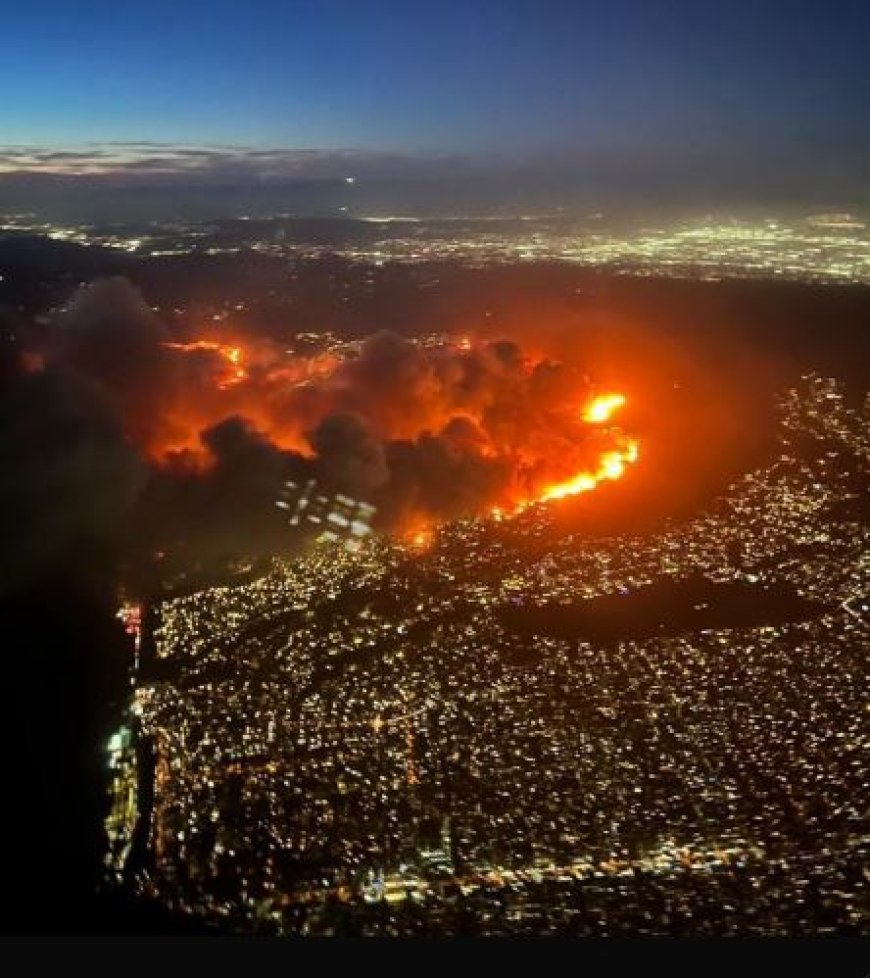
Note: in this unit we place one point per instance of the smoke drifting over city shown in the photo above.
(194, 439)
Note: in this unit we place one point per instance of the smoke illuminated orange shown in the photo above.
(235, 372)
(284, 397)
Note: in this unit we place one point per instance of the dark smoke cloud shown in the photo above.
(403, 390)
(435, 476)
(109, 334)
(442, 432)
(348, 455)
(423, 433)
(227, 508)
(69, 479)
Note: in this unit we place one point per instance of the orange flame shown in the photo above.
(420, 538)
(248, 376)
(601, 408)
(235, 373)
(611, 464)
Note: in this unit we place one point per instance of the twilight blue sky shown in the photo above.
(666, 84)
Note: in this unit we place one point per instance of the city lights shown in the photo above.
(402, 743)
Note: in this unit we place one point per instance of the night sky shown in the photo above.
(668, 89)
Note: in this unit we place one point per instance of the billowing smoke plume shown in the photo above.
(110, 335)
(68, 477)
(349, 455)
(218, 425)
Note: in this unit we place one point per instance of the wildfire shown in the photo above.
(601, 408)
(611, 464)
(421, 539)
(305, 384)
(235, 372)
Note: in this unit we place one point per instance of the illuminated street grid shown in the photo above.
(357, 742)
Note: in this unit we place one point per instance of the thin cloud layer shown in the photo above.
(120, 162)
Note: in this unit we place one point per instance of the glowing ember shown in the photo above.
(602, 408)
(421, 539)
(612, 465)
(195, 345)
(232, 354)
